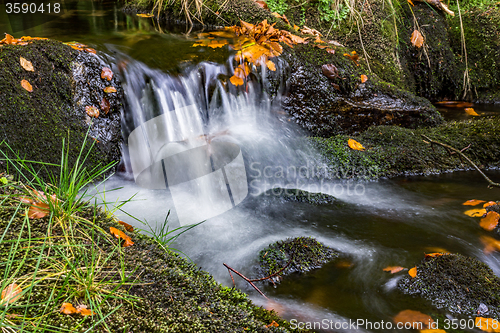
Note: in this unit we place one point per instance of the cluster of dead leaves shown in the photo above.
(68, 308)
(92, 111)
(489, 221)
(24, 40)
(81, 47)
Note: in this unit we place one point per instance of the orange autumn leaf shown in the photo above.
(411, 3)
(106, 73)
(38, 210)
(434, 255)
(353, 144)
(110, 90)
(413, 319)
(121, 235)
(473, 202)
(272, 324)
(417, 39)
(490, 221)
(92, 111)
(238, 78)
(487, 324)
(489, 203)
(26, 85)
(364, 78)
(393, 269)
(82, 309)
(490, 244)
(26, 64)
(127, 226)
(67, 308)
(477, 212)
(471, 111)
(413, 272)
(145, 15)
(271, 65)
(353, 56)
(10, 294)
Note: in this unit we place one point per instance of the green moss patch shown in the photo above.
(298, 255)
(459, 284)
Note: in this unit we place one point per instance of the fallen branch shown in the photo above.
(229, 269)
(451, 150)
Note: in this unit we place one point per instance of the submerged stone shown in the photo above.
(458, 284)
(298, 255)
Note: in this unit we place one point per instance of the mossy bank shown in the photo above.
(139, 288)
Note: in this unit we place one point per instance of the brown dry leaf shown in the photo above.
(336, 86)
(417, 39)
(38, 210)
(413, 272)
(413, 317)
(364, 78)
(104, 105)
(487, 324)
(26, 64)
(473, 202)
(331, 51)
(296, 39)
(285, 19)
(490, 221)
(353, 144)
(26, 85)
(107, 73)
(309, 31)
(471, 112)
(92, 111)
(353, 56)
(145, 15)
(89, 50)
(249, 27)
(330, 71)
(270, 65)
(10, 294)
(489, 203)
(217, 43)
(82, 309)
(393, 269)
(67, 308)
(490, 244)
(109, 90)
(477, 212)
(121, 235)
(263, 4)
(8, 39)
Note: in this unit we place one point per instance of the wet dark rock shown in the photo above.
(458, 284)
(339, 103)
(297, 195)
(299, 255)
(64, 82)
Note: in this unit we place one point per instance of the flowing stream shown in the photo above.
(238, 144)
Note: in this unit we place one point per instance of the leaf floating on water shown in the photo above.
(417, 39)
(487, 324)
(353, 144)
(10, 294)
(364, 78)
(145, 15)
(473, 202)
(471, 111)
(490, 244)
(393, 269)
(110, 90)
(413, 318)
(489, 203)
(106, 73)
(92, 111)
(26, 64)
(127, 226)
(413, 272)
(477, 212)
(67, 308)
(26, 85)
(121, 235)
(490, 221)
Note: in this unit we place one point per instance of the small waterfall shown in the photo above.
(209, 142)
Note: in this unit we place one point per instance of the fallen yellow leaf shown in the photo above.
(26, 64)
(473, 202)
(490, 221)
(471, 111)
(477, 212)
(353, 144)
(26, 85)
(67, 308)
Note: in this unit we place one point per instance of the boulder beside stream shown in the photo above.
(64, 82)
(459, 284)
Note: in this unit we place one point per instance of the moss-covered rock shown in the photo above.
(297, 195)
(392, 150)
(64, 82)
(458, 284)
(298, 255)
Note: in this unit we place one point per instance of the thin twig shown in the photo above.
(461, 154)
(245, 278)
